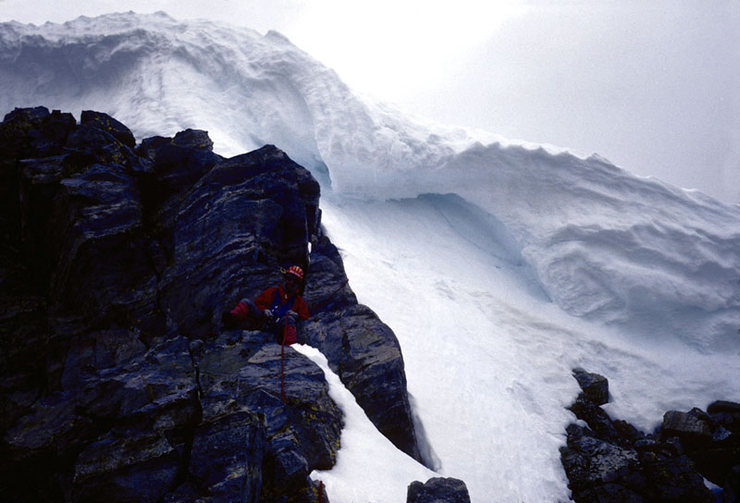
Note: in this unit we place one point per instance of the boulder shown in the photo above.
(438, 490)
(726, 414)
(710, 440)
(177, 163)
(594, 386)
(107, 123)
(598, 420)
(691, 427)
(591, 462)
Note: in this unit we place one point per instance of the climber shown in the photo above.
(278, 308)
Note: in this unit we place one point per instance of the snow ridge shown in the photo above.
(527, 260)
(150, 69)
(603, 243)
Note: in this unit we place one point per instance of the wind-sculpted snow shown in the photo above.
(246, 89)
(607, 245)
(471, 248)
(603, 243)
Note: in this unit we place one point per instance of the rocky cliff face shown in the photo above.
(116, 262)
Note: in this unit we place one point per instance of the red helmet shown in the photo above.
(295, 271)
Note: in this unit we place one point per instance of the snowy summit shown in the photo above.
(500, 266)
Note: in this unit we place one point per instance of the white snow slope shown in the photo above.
(499, 266)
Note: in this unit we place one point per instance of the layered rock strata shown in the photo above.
(117, 380)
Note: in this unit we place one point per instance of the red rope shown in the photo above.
(321, 492)
(282, 362)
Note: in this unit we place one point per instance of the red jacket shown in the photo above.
(264, 301)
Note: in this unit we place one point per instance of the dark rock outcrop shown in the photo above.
(712, 440)
(438, 490)
(612, 461)
(595, 387)
(116, 262)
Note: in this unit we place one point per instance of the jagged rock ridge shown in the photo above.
(612, 461)
(116, 263)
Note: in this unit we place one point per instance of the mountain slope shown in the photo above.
(505, 265)
(248, 90)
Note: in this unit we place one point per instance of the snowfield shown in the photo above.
(499, 265)
(489, 356)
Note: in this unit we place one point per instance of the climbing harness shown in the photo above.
(278, 308)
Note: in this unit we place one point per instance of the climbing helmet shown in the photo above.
(294, 271)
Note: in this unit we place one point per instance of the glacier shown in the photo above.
(500, 265)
